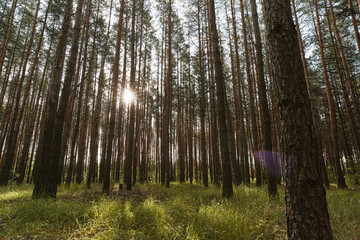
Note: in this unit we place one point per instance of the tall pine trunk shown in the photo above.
(66, 90)
(305, 197)
(45, 179)
(106, 179)
(251, 97)
(129, 155)
(265, 113)
(334, 130)
(202, 105)
(227, 189)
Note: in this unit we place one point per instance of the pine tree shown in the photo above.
(306, 207)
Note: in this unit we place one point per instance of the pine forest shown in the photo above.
(180, 119)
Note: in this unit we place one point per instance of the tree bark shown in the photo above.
(18, 110)
(44, 185)
(82, 151)
(227, 190)
(27, 142)
(190, 133)
(8, 34)
(168, 106)
(308, 84)
(251, 95)
(65, 92)
(202, 104)
(131, 128)
(335, 138)
(241, 133)
(106, 185)
(345, 93)
(305, 197)
(351, 84)
(265, 113)
(354, 22)
(96, 115)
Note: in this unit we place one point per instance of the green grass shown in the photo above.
(153, 212)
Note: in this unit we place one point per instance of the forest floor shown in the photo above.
(151, 211)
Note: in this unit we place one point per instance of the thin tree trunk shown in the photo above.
(346, 69)
(131, 128)
(354, 22)
(251, 94)
(106, 185)
(308, 84)
(65, 92)
(96, 115)
(32, 117)
(82, 152)
(202, 105)
(241, 133)
(168, 106)
(345, 94)
(190, 133)
(339, 173)
(265, 113)
(10, 65)
(18, 110)
(8, 34)
(227, 190)
(180, 133)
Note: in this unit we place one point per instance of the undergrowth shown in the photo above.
(153, 212)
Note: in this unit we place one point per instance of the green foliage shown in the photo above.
(153, 212)
(353, 176)
(331, 174)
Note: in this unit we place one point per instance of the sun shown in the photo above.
(128, 96)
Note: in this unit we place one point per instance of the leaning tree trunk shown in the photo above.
(354, 22)
(349, 80)
(26, 147)
(345, 93)
(8, 34)
(314, 110)
(18, 111)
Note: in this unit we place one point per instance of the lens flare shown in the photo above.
(272, 161)
(128, 96)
